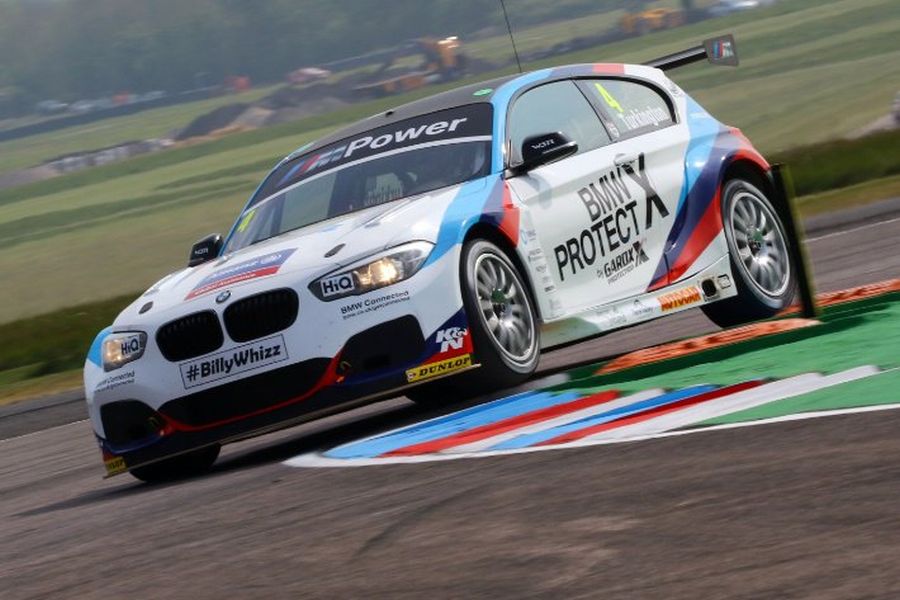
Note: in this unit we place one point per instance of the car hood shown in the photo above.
(302, 254)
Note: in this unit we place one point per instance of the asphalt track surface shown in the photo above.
(804, 509)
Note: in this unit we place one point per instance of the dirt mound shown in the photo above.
(212, 121)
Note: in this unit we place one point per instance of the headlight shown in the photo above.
(122, 348)
(375, 272)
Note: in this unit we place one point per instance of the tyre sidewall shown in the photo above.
(494, 362)
(747, 290)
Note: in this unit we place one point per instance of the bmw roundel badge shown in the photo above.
(223, 297)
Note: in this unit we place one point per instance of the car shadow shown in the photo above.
(322, 437)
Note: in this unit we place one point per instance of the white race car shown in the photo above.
(454, 237)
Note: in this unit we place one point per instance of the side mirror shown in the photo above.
(206, 249)
(545, 148)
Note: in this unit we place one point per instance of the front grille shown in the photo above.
(194, 335)
(246, 396)
(261, 315)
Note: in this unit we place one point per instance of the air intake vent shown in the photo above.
(261, 315)
(194, 335)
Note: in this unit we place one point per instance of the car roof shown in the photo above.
(475, 93)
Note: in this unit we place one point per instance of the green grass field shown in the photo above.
(810, 71)
(154, 123)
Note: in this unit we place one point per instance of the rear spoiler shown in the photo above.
(718, 51)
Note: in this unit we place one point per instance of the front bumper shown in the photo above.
(154, 410)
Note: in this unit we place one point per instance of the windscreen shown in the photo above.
(404, 159)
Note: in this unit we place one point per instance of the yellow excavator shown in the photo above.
(640, 20)
(442, 61)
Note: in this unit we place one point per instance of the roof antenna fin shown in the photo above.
(511, 38)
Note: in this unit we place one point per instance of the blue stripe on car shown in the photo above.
(96, 346)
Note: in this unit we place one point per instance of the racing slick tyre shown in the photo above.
(182, 466)
(502, 323)
(501, 317)
(760, 261)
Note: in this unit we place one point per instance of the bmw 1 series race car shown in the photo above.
(441, 246)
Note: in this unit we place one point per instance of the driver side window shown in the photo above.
(557, 106)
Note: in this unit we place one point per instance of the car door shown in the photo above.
(598, 216)
(649, 145)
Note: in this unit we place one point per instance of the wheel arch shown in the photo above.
(493, 234)
(757, 171)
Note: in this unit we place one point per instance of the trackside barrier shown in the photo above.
(783, 184)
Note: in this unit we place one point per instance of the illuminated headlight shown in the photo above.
(392, 266)
(122, 348)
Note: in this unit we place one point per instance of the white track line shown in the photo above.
(25, 435)
(846, 231)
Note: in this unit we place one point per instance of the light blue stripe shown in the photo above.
(524, 441)
(704, 130)
(465, 208)
(94, 351)
(452, 424)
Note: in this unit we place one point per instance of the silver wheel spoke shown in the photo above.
(757, 241)
(504, 307)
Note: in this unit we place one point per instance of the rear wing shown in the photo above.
(718, 51)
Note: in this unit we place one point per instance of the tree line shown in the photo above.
(74, 49)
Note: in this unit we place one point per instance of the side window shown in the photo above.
(629, 108)
(557, 106)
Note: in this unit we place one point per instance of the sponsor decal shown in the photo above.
(460, 122)
(452, 338)
(615, 221)
(441, 367)
(624, 263)
(241, 272)
(680, 298)
(111, 383)
(721, 50)
(354, 309)
(640, 310)
(114, 465)
(338, 284)
(232, 362)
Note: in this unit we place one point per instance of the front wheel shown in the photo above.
(760, 261)
(502, 323)
(501, 316)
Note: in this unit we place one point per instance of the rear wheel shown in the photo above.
(182, 466)
(760, 261)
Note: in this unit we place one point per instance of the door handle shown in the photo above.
(624, 159)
